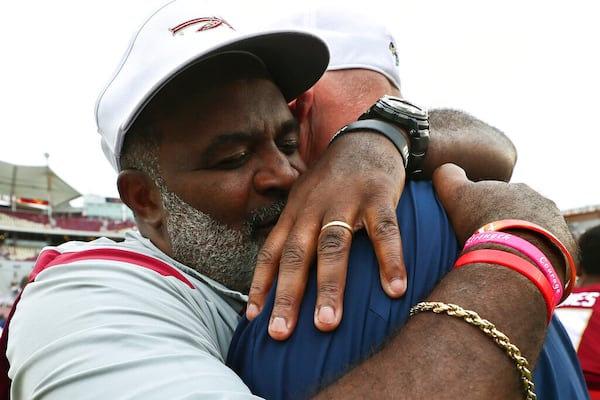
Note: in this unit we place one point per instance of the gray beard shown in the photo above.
(223, 254)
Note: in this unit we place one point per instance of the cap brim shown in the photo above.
(295, 60)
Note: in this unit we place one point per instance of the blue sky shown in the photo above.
(530, 68)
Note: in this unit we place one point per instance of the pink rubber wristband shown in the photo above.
(515, 263)
(570, 271)
(523, 246)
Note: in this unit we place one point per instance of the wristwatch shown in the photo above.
(413, 119)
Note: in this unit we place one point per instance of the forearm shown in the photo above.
(434, 353)
(483, 151)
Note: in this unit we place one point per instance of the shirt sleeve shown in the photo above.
(94, 330)
(296, 367)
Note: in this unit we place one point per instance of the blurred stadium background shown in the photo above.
(38, 209)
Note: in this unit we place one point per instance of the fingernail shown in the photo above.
(278, 325)
(398, 286)
(252, 311)
(326, 315)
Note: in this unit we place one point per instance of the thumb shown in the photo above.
(446, 179)
(455, 192)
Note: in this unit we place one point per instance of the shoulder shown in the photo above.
(419, 205)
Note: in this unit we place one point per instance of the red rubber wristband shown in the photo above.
(515, 263)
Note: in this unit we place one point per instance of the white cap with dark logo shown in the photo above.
(179, 35)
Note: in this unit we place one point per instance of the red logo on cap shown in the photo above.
(204, 24)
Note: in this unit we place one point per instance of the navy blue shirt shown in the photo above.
(297, 367)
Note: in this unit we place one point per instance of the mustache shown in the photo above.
(263, 216)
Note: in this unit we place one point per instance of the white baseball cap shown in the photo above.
(179, 35)
(355, 37)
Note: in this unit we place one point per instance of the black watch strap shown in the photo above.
(386, 129)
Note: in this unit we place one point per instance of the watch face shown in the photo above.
(403, 105)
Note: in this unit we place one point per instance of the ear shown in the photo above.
(302, 105)
(140, 194)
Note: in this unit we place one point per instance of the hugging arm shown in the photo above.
(359, 180)
(430, 352)
(434, 355)
(482, 150)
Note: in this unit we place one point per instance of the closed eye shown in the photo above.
(235, 161)
(288, 138)
(288, 146)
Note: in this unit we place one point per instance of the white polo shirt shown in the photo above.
(107, 320)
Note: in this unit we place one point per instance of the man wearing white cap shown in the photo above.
(363, 67)
(196, 120)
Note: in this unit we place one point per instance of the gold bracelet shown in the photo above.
(490, 330)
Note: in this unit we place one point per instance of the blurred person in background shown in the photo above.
(580, 312)
(5, 306)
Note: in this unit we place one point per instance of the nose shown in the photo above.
(275, 173)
